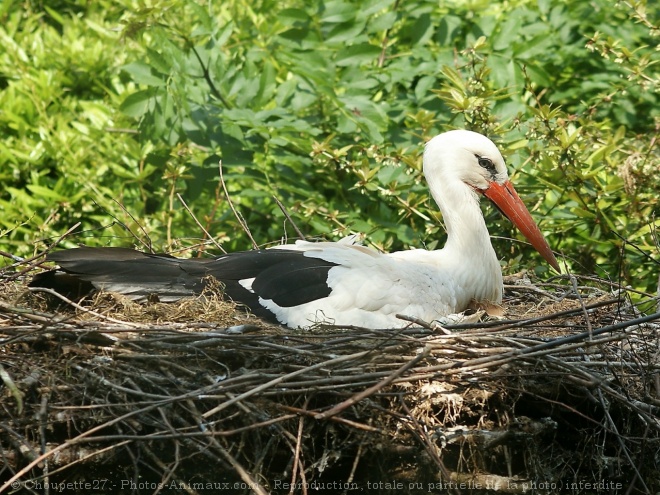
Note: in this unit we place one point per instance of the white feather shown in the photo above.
(370, 288)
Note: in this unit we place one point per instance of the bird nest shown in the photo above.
(195, 397)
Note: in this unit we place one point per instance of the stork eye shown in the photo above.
(486, 163)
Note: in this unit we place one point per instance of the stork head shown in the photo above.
(467, 156)
(472, 159)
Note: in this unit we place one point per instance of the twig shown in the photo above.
(25, 469)
(283, 378)
(31, 314)
(245, 476)
(29, 261)
(372, 390)
(83, 309)
(170, 473)
(184, 432)
(13, 389)
(209, 236)
(149, 245)
(42, 417)
(207, 76)
(347, 422)
(498, 326)
(296, 452)
(288, 217)
(238, 216)
(356, 461)
(383, 50)
(626, 453)
(416, 321)
(582, 306)
(423, 435)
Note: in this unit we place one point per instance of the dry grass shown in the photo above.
(562, 396)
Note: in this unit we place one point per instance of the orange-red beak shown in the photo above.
(507, 200)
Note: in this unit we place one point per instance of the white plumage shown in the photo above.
(344, 283)
(370, 289)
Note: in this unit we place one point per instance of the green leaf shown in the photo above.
(508, 32)
(158, 62)
(143, 73)
(358, 54)
(291, 17)
(137, 104)
(337, 11)
(382, 22)
(205, 20)
(55, 15)
(347, 31)
(422, 30)
(46, 193)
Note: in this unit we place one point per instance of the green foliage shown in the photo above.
(325, 105)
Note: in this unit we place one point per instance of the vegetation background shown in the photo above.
(109, 110)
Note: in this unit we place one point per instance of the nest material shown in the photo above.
(563, 396)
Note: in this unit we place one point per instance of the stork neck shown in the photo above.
(466, 229)
(468, 254)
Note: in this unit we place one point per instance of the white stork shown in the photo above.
(342, 283)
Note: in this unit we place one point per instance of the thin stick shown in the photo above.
(297, 449)
(422, 434)
(74, 441)
(199, 224)
(582, 306)
(347, 422)
(356, 461)
(207, 75)
(619, 438)
(146, 245)
(372, 390)
(415, 320)
(498, 326)
(245, 476)
(236, 213)
(13, 389)
(85, 310)
(280, 379)
(38, 256)
(288, 217)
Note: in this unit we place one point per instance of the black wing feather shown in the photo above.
(294, 281)
(287, 277)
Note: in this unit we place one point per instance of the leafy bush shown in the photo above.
(325, 105)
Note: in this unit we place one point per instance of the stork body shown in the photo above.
(343, 283)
